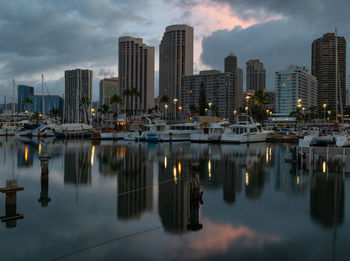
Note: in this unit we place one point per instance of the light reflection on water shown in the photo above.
(109, 198)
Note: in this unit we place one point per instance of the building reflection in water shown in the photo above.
(110, 158)
(179, 197)
(255, 173)
(327, 199)
(11, 215)
(173, 201)
(44, 180)
(232, 180)
(77, 163)
(135, 182)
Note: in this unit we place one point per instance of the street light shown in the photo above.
(175, 101)
(299, 103)
(209, 104)
(166, 108)
(324, 111)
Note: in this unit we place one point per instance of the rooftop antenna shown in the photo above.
(42, 95)
(13, 96)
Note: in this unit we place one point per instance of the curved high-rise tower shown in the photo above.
(175, 61)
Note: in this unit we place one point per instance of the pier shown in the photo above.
(11, 216)
(328, 159)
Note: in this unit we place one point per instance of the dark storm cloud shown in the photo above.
(280, 42)
(50, 36)
(334, 10)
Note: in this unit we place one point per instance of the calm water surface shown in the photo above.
(133, 201)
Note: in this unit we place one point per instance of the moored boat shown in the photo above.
(244, 131)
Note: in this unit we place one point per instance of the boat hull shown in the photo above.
(244, 138)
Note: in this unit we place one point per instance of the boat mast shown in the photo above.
(13, 96)
(42, 95)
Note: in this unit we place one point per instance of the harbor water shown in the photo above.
(118, 200)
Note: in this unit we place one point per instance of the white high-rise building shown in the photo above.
(293, 85)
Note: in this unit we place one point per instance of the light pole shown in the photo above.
(175, 101)
(247, 99)
(166, 110)
(324, 111)
(209, 104)
(329, 115)
(92, 115)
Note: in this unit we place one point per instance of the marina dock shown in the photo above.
(327, 159)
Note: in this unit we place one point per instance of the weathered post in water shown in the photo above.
(44, 179)
(11, 214)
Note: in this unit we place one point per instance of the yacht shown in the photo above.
(74, 130)
(245, 130)
(103, 133)
(173, 132)
(319, 137)
(208, 132)
(126, 129)
(343, 140)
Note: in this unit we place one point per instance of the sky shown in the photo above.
(48, 36)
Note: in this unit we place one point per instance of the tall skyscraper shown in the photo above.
(255, 75)
(292, 85)
(230, 65)
(136, 70)
(23, 91)
(324, 69)
(175, 61)
(78, 88)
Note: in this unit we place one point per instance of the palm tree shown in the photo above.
(165, 100)
(260, 100)
(35, 118)
(126, 94)
(115, 100)
(134, 93)
(84, 104)
(297, 114)
(215, 110)
(193, 108)
(104, 109)
(28, 100)
(54, 113)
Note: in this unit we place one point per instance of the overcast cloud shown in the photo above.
(280, 42)
(47, 36)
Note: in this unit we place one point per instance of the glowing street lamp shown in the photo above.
(299, 103)
(324, 111)
(166, 110)
(175, 101)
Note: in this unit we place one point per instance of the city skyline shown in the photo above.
(228, 26)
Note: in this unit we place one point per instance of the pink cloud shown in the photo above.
(208, 16)
(219, 238)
